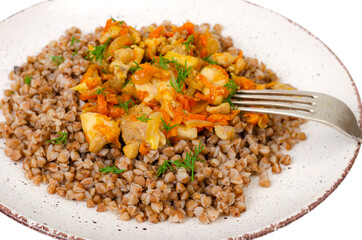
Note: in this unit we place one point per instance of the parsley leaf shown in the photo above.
(27, 79)
(61, 139)
(111, 169)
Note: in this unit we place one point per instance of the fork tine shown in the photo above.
(284, 112)
(295, 106)
(279, 92)
(307, 100)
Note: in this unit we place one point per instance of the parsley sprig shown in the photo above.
(187, 43)
(183, 72)
(99, 91)
(27, 79)
(125, 105)
(98, 52)
(232, 87)
(143, 118)
(111, 169)
(187, 163)
(57, 60)
(62, 139)
(207, 59)
(168, 126)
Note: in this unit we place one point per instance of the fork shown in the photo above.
(313, 106)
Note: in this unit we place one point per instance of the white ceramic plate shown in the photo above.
(319, 164)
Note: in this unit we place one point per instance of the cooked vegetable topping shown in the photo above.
(157, 87)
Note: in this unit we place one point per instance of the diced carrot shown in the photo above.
(143, 149)
(141, 95)
(160, 30)
(109, 24)
(102, 104)
(147, 72)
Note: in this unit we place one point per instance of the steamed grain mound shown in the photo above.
(34, 114)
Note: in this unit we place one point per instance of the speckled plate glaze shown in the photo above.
(319, 164)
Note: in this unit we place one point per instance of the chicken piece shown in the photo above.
(134, 132)
(152, 45)
(154, 136)
(225, 132)
(99, 130)
(182, 59)
(224, 59)
(125, 58)
(119, 43)
(217, 77)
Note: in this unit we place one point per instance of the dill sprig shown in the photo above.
(99, 91)
(207, 59)
(183, 72)
(134, 69)
(189, 40)
(162, 62)
(143, 118)
(62, 139)
(98, 52)
(125, 105)
(111, 169)
(163, 167)
(168, 126)
(57, 60)
(27, 79)
(73, 40)
(232, 87)
(187, 163)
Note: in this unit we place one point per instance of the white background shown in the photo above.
(339, 25)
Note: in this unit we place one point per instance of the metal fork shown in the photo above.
(313, 106)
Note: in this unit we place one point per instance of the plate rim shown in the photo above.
(41, 228)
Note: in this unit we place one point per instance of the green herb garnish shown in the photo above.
(111, 169)
(98, 53)
(99, 91)
(162, 62)
(57, 60)
(189, 40)
(75, 52)
(163, 167)
(167, 127)
(232, 87)
(62, 139)
(143, 118)
(187, 163)
(134, 69)
(27, 79)
(72, 41)
(125, 105)
(207, 59)
(183, 72)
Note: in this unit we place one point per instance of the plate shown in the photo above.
(298, 58)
